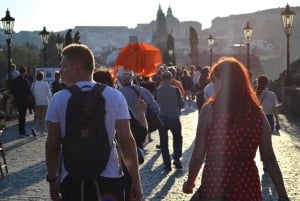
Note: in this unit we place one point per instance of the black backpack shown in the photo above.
(86, 147)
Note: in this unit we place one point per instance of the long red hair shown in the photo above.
(235, 91)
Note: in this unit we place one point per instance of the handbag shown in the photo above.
(138, 131)
(153, 120)
(226, 197)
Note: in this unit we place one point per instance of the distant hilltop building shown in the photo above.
(268, 43)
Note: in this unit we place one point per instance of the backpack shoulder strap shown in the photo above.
(73, 89)
(98, 88)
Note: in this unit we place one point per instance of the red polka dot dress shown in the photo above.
(225, 139)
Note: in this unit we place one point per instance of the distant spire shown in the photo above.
(169, 12)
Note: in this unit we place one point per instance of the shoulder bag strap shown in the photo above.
(136, 91)
(264, 97)
(232, 180)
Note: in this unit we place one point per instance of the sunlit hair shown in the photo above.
(235, 92)
(80, 54)
(185, 73)
(104, 77)
(39, 76)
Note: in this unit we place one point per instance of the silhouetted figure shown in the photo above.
(77, 37)
(57, 84)
(68, 37)
(21, 90)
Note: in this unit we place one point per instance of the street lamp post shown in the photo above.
(211, 42)
(287, 19)
(44, 37)
(248, 34)
(8, 26)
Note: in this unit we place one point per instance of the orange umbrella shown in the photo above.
(142, 58)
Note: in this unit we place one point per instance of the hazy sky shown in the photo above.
(58, 15)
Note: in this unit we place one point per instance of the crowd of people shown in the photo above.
(236, 118)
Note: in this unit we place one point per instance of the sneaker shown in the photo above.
(33, 131)
(43, 134)
(177, 165)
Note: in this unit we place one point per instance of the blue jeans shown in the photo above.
(173, 124)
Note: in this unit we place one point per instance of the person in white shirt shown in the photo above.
(209, 90)
(268, 101)
(42, 94)
(77, 67)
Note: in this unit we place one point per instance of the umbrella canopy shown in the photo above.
(142, 58)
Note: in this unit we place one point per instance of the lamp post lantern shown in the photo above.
(287, 19)
(8, 26)
(248, 34)
(44, 37)
(211, 42)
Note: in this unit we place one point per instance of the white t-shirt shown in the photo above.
(209, 90)
(116, 108)
(268, 101)
(41, 92)
(196, 77)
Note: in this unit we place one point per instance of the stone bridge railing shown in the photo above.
(291, 100)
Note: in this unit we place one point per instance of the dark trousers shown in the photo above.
(22, 107)
(111, 189)
(173, 124)
(270, 118)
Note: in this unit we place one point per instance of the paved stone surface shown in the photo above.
(27, 169)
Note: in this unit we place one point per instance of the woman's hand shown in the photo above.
(142, 106)
(187, 188)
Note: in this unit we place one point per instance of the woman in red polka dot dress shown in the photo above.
(225, 143)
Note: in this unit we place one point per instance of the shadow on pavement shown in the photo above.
(154, 176)
(187, 110)
(11, 140)
(22, 179)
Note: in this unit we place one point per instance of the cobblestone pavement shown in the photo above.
(26, 164)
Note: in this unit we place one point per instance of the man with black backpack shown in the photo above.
(82, 122)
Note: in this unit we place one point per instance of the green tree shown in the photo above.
(23, 55)
(159, 38)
